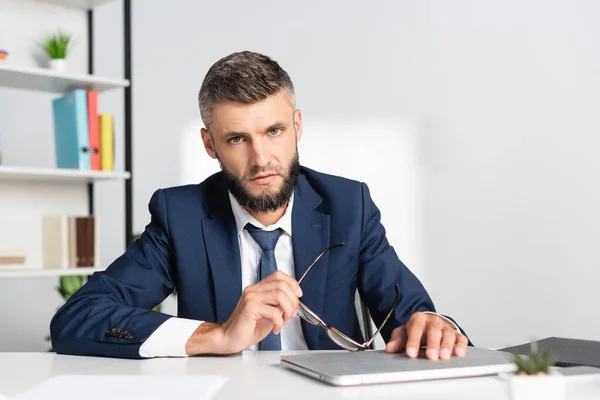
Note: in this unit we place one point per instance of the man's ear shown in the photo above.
(298, 124)
(209, 144)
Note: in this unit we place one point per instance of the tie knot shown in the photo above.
(265, 239)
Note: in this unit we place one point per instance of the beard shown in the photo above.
(269, 200)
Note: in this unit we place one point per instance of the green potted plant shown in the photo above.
(534, 377)
(57, 47)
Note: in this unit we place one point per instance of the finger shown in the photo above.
(279, 300)
(415, 330)
(448, 342)
(460, 348)
(280, 285)
(397, 341)
(434, 337)
(280, 276)
(270, 313)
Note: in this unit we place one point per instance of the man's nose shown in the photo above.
(260, 153)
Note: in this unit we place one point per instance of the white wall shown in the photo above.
(509, 94)
(481, 114)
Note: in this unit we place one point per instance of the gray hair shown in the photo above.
(244, 77)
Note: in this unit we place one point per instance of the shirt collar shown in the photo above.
(243, 217)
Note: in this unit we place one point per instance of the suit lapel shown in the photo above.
(223, 251)
(310, 236)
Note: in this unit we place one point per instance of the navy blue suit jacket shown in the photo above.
(190, 244)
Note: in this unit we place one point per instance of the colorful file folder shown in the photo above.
(107, 142)
(71, 134)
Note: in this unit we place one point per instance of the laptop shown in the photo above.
(343, 368)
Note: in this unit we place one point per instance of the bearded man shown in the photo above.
(265, 254)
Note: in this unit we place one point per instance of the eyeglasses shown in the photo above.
(336, 336)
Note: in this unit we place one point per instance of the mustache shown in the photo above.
(256, 171)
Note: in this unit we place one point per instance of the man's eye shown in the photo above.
(275, 131)
(236, 139)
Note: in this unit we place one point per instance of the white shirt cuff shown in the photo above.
(169, 339)
(446, 319)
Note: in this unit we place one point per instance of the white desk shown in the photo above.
(254, 375)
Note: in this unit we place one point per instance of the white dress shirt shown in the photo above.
(170, 338)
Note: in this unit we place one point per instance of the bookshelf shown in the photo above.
(63, 191)
(20, 272)
(45, 80)
(80, 4)
(14, 173)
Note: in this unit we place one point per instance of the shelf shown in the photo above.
(23, 272)
(14, 173)
(46, 80)
(81, 4)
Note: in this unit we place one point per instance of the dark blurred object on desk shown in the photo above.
(568, 352)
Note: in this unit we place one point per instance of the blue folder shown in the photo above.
(71, 135)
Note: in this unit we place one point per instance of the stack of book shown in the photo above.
(83, 138)
(11, 257)
(70, 241)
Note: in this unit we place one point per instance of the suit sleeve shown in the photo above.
(381, 269)
(111, 315)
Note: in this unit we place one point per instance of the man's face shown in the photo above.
(256, 145)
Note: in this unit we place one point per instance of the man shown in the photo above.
(236, 246)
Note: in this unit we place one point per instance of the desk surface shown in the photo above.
(254, 375)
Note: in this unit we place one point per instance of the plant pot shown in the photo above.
(58, 64)
(526, 387)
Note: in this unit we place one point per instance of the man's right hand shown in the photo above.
(264, 307)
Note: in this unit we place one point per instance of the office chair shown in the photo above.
(364, 319)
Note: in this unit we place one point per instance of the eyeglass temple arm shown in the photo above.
(317, 259)
(367, 344)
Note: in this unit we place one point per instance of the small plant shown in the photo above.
(69, 285)
(536, 363)
(57, 46)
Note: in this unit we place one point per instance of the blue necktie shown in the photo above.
(267, 240)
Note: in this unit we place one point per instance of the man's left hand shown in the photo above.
(440, 337)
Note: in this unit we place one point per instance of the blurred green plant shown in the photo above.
(537, 362)
(57, 46)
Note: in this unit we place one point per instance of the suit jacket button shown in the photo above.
(127, 335)
(113, 332)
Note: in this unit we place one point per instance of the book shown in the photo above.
(12, 257)
(80, 252)
(107, 142)
(71, 132)
(85, 242)
(70, 241)
(94, 130)
(12, 260)
(55, 242)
